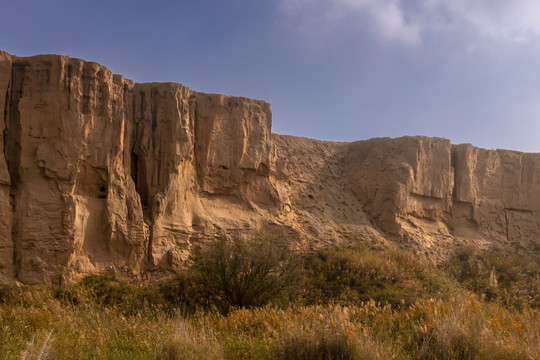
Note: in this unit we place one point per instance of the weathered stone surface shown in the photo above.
(397, 177)
(98, 173)
(432, 193)
(499, 191)
(7, 268)
(72, 204)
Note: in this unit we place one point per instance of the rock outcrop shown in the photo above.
(432, 193)
(98, 173)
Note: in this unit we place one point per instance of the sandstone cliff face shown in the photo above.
(434, 194)
(6, 244)
(98, 173)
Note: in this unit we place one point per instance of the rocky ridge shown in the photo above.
(98, 173)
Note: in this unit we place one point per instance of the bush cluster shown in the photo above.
(238, 272)
(354, 274)
(108, 291)
(496, 276)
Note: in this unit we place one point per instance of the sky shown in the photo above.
(340, 70)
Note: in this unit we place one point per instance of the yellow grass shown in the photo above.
(464, 328)
(431, 316)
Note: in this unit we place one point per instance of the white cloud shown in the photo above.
(392, 23)
(406, 21)
(385, 16)
(515, 20)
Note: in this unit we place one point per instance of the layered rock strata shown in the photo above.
(98, 173)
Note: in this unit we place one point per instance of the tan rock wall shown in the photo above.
(397, 177)
(501, 191)
(433, 194)
(98, 173)
(104, 173)
(73, 207)
(7, 268)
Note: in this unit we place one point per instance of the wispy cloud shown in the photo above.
(407, 21)
(516, 20)
(385, 16)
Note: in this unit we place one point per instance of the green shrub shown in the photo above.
(21, 295)
(245, 272)
(498, 276)
(188, 293)
(108, 291)
(355, 274)
(9, 293)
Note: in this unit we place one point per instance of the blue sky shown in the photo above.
(332, 69)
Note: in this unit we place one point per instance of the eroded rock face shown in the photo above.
(497, 194)
(98, 173)
(72, 206)
(432, 193)
(7, 268)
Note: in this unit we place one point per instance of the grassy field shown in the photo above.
(348, 302)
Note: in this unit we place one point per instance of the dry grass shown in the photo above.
(103, 318)
(189, 341)
(464, 328)
(47, 328)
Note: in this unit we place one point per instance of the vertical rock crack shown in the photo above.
(12, 146)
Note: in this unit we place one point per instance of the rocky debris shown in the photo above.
(98, 173)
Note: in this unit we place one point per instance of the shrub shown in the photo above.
(498, 277)
(108, 291)
(354, 274)
(9, 293)
(248, 272)
(187, 292)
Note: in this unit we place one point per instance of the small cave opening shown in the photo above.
(102, 194)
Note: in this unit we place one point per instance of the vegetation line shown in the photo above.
(257, 299)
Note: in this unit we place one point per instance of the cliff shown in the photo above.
(98, 173)
(433, 194)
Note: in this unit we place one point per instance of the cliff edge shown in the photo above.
(98, 173)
